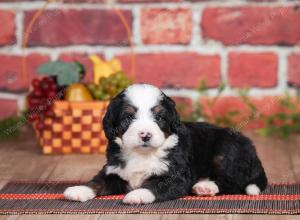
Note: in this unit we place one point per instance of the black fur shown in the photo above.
(203, 151)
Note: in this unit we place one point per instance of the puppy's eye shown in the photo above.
(130, 117)
(159, 118)
(127, 117)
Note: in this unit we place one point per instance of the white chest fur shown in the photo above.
(140, 166)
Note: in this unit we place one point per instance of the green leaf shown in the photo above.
(243, 92)
(270, 119)
(202, 86)
(295, 117)
(298, 93)
(66, 79)
(67, 73)
(233, 113)
(10, 127)
(81, 67)
(280, 116)
(56, 68)
(264, 132)
(221, 87)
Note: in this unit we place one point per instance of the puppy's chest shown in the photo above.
(138, 169)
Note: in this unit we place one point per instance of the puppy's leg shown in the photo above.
(79, 193)
(139, 196)
(255, 186)
(101, 184)
(205, 187)
(238, 177)
(159, 188)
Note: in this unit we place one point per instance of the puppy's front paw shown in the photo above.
(79, 193)
(139, 196)
(206, 188)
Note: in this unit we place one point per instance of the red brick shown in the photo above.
(67, 27)
(294, 69)
(175, 69)
(20, 0)
(147, 1)
(252, 69)
(252, 25)
(166, 26)
(262, 0)
(84, 60)
(9, 108)
(8, 26)
(121, 1)
(11, 71)
(83, 1)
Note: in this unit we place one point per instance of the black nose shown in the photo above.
(145, 136)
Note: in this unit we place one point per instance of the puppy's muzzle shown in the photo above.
(145, 137)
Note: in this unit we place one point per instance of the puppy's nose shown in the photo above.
(145, 136)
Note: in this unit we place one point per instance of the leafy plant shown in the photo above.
(200, 113)
(244, 95)
(282, 123)
(10, 127)
(65, 73)
(285, 122)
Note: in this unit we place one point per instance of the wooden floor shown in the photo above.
(22, 160)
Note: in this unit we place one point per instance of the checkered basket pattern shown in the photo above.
(75, 128)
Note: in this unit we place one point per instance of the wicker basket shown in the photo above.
(75, 128)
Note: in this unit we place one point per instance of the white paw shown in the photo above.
(206, 188)
(139, 196)
(252, 189)
(79, 193)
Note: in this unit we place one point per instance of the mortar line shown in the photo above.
(60, 5)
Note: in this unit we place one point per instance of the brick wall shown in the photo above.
(177, 43)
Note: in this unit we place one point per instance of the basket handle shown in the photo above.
(40, 12)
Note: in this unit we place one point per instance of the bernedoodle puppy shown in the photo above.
(153, 156)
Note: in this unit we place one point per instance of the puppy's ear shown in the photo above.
(174, 117)
(171, 102)
(111, 115)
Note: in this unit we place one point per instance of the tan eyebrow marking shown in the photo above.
(157, 109)
(130, 109)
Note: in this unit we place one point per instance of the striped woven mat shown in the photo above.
(47, 198)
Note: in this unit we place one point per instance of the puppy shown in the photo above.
(153, 156)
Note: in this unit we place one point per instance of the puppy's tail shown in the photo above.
(257, 185)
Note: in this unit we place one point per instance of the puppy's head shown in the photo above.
(141, 116)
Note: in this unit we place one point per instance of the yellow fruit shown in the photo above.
(115, 64)
(77, 93)
(104, 69)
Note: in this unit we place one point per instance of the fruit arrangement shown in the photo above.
(40, 100)
(104, 69)
(109, 79)
(64, 81)
(109, 87)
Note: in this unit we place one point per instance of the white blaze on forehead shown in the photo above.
(143, 96)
